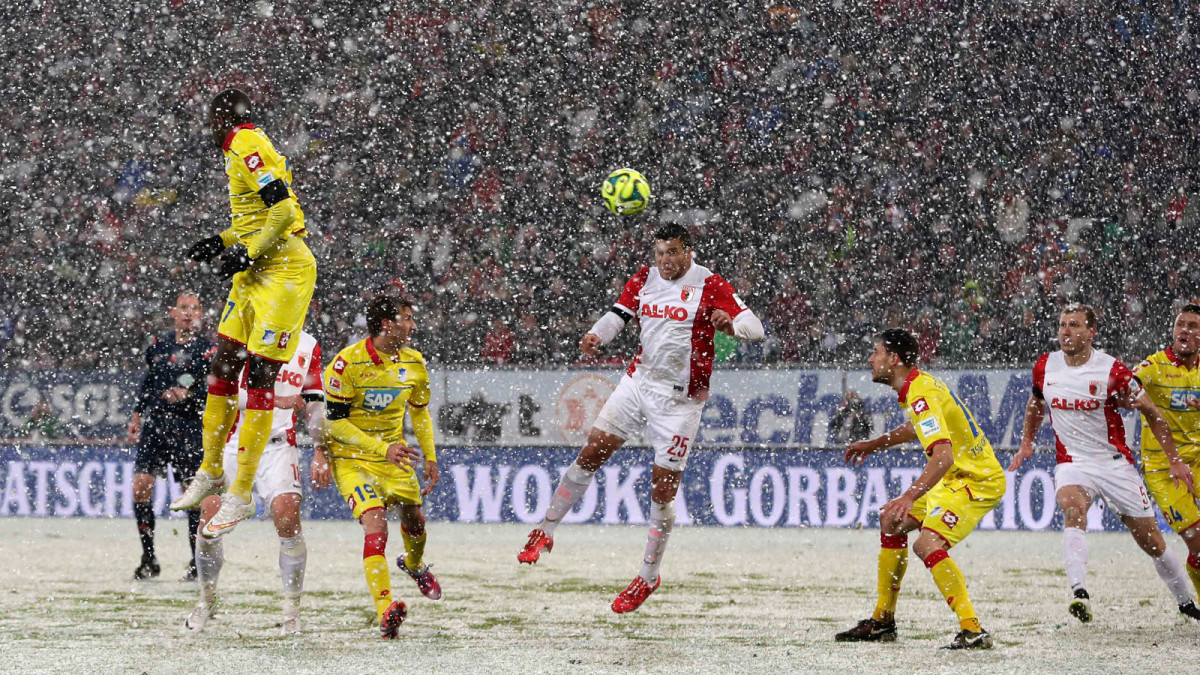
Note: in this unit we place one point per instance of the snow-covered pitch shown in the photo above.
(733, 600)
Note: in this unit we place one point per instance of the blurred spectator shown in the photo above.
(852, 421)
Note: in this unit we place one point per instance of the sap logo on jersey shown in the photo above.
(1181, 398)
(379, 399)
(1077, 404)
(665, 312)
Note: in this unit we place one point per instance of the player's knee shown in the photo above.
(143, 487)
(261, 373)
(413, 522)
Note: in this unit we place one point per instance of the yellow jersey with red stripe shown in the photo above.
(252, 163)
(1170, 385)
(937, 415)
(379, 388)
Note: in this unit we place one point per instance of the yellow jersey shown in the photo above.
(937, 415)
(252, 163)
(1170, 385)
(379, 388)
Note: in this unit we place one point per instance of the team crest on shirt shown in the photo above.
(1094, 388)
(688, 293)
(920, 405)
(302, 360)
(253, 162)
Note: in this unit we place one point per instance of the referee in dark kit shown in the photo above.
(166, 422)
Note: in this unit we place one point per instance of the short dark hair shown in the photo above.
(1087, 310)
(383, 307)
(901, 343)
(674, 231)
(1190, 308)
(232, 105)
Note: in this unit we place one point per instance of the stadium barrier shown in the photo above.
(757, 488)
(756, 408)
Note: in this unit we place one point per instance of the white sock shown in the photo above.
(662, 519)
(1170, 570)
(574, 483)
(1075, 556)
(293, 555)
(210, 557)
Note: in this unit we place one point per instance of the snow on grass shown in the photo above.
(732, 600)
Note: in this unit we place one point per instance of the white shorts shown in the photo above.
(669, 420)
(1117, 482)
(278, 471)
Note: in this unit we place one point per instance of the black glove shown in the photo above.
(234, 260)
(206, 249)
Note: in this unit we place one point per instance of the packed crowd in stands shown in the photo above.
(962, 169)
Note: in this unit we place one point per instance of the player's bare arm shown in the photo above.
(941, 458)
(1180, 472)
(856, 453)
(319, 472)
(722, 321)
(1035, 413)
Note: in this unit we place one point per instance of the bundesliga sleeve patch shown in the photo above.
(929, 426)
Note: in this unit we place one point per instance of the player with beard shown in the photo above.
(679, 304)
(962, 482)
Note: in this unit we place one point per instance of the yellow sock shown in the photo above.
(414, 548)
(950, 582)
(252, 438)
(220, 409)
(1193, 570)
(379, 580)
(893, 562)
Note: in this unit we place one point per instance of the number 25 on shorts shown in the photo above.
(679, 447)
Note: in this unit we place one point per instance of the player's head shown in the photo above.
(228, 109)
(1076, 328)
(186, 312)
(895, 348)
(672, 250)
(1185, 336)
(391, 317)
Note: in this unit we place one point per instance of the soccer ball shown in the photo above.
(625, 192)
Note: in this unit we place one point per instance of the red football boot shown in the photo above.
(426, 582)
(634, 595)
(393, 616)
(533, 548)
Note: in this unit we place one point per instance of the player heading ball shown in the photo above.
(679, 305)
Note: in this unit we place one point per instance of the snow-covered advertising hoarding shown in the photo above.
(758, 488)
(773, 409)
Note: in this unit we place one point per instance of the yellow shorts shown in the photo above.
(374, 485)
(1177, 505)
(266, 308)
(953, 511)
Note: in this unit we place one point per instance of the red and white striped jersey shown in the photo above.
(1082, 401)
(301, 375)
(676, 347)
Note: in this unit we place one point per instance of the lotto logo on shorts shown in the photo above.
(253, 162)
(950, 519)
(351, 503)
(284, 338)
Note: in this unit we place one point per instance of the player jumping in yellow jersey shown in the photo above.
(368, 387)
(1172, 381)
(961, 483)
(274, 274)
